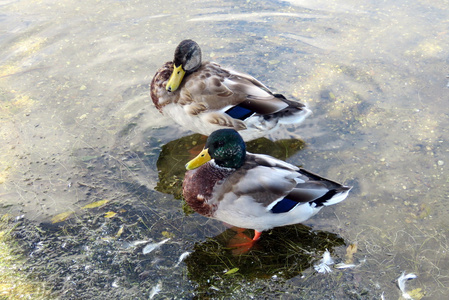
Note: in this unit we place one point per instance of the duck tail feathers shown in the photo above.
(337, 195)
(319, 190)
(296, 112)
(293, 115)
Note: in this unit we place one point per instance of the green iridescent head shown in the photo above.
(225, 146)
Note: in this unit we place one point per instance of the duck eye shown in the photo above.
(219, 144)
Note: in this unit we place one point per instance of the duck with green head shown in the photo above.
(203, 97)
(254, 191)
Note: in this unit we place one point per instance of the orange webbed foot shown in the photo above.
(241, 243)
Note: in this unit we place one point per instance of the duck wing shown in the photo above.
(262, 179)
(222, 89)
(280, 187)
(313, 189)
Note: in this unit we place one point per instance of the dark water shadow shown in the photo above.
(282, 253)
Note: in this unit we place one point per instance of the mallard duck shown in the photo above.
(253, 191)
(204, 97)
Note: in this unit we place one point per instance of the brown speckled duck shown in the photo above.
(204, 97)
(254, 191)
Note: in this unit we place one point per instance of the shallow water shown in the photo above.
(78, 126)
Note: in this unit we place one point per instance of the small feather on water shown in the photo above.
(129, 245)
(153, 246)
(324, 265)
(344, 266)
(182, 257)
(156, 289)
(138, 242)
(115, 284)
(401, 283)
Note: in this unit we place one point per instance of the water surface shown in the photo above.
(78, 126)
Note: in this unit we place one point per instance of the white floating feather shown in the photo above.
(153, 246)
(401, 283)
(182, 257)
(128, 245)
(115, 284)
(344, 266)
(137, 243)
(324, 265)
(156, 289)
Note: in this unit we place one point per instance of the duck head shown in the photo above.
(187, 60)
(225, 146)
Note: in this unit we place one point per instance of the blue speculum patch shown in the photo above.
(285, 205)
(238, 112)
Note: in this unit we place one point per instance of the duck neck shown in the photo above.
(220, 167)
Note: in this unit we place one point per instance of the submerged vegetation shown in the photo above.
(99, 255)
(14, 283)
(282, 253)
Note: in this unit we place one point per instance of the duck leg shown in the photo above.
(241, 243)
(257, 235)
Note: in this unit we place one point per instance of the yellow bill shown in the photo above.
(201, 159)
(175, 79)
